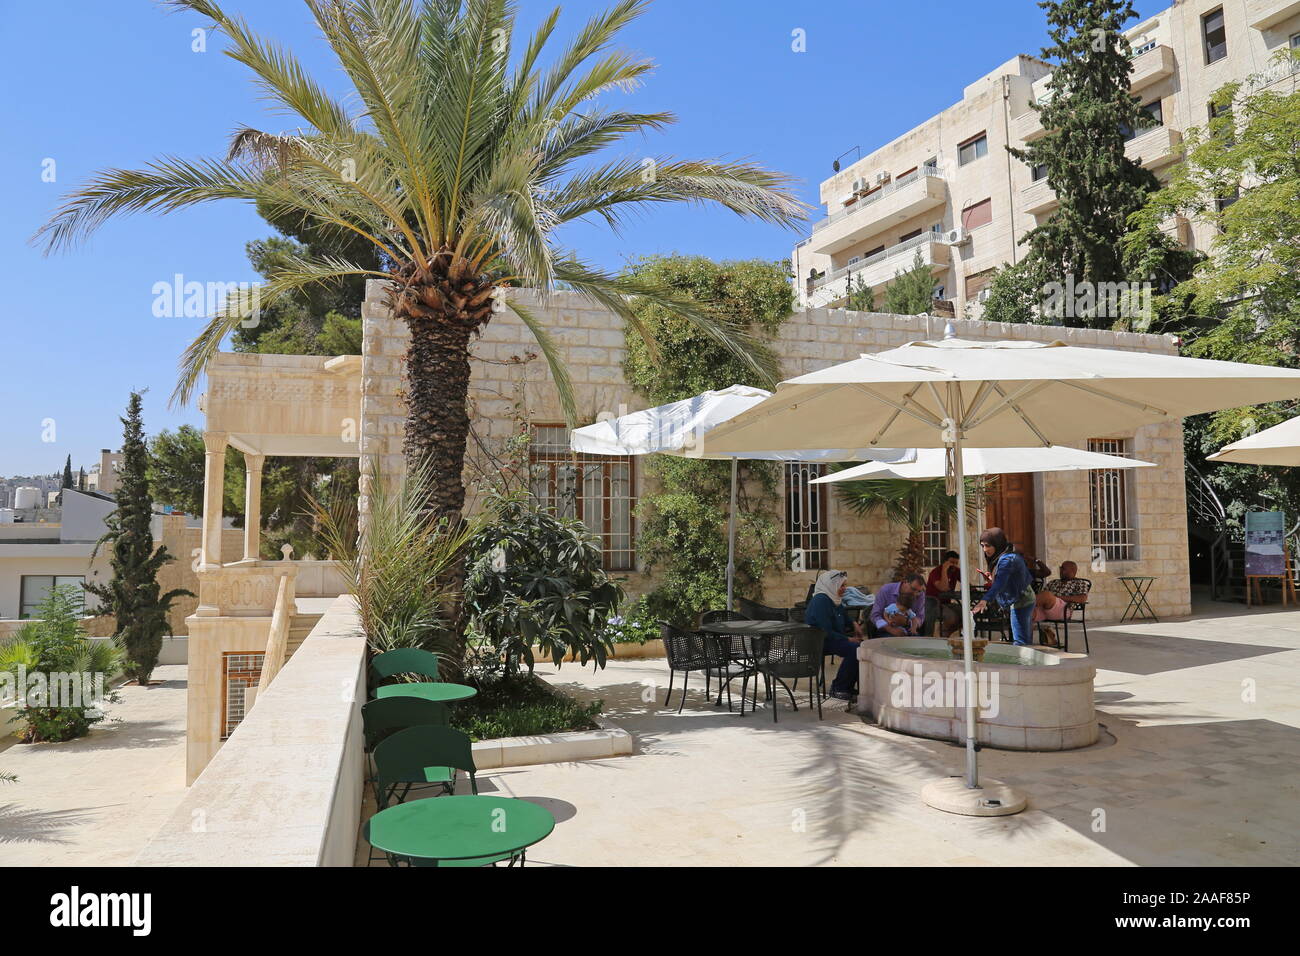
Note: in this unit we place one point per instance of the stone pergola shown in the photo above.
(287, 405)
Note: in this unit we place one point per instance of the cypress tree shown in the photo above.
(67, 473)
(1090, 113)
(81, 479)
(132, 594)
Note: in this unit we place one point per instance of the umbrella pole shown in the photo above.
(967, 619)
(731, 533)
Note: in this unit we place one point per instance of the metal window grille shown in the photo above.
(1113, 534)
(807, 536)
(595, 489)
(934, 538)
(239, 672)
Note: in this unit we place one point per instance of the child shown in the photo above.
(900, 613)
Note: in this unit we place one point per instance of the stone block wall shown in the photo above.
(511, 384)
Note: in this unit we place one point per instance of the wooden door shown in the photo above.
(1010, 506)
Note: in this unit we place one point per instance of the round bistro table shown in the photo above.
(460, 828)
(442, 692)
(753, 637)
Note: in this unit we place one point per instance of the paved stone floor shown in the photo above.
(96, 801)
(1199, 764)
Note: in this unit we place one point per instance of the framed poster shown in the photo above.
(1265, 549)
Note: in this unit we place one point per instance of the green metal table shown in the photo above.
(442, 692)
(461, 828)
(1138, 609)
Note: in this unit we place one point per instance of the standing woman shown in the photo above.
(842, 637)
(1010, 585)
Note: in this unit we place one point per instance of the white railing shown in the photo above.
(864, 201)
(921, 240)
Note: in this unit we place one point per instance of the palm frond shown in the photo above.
(559, 371)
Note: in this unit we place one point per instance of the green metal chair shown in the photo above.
(422, 756)
(382, 718)
(404, 660)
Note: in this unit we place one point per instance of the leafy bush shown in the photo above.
(519, 706)
(535, 580)
(637, 624)
(51, 662)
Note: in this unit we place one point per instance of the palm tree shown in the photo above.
(459, 166)
(911, 504)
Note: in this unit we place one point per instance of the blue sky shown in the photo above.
(93, 84)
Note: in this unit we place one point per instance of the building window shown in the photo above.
(807, 536)
(35, 588)
(1113, 534)
(980, 214)
(934, 538)
(908, 235)
(1038, 172)
(1154, 117)
(1145, 47)
(1295, 41)
(972, 149)
(1214, 35)
(240, 673)
(595, 489)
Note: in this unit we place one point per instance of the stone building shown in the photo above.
(1125, 523)
(949, 190)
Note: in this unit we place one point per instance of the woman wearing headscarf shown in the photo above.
(825, 612)
(1010, 585)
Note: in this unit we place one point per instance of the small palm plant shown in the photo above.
(911, 504)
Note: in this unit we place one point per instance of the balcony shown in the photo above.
(1266, 14)
(1151, 67)
(1027, 127)
(893, 203)
(880, 269)
(1038, 198)
(1155, 148)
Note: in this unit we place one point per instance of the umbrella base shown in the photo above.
(990, 799)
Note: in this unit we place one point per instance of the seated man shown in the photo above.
(1055, 597)
(825, 611)
(946, 577)
(912, 584)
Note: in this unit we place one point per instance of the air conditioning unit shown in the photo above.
(860, 185)
(882, 178)
(956, 237)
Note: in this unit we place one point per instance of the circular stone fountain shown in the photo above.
(1027, 698)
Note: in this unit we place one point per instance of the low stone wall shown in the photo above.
(285, 789)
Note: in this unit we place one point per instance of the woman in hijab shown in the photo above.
(1010, 585)
(842, 638)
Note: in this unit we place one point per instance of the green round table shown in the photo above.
(442, 692)
(460, 828)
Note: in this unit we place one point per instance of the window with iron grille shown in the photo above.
(807, 536)
(1113, 534)
(595, 489)
(240, 672)
(934, 538)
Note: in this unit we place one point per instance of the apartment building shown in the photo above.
(950, 191)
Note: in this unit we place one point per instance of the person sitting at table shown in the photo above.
(888, 594)
(1055, 598)
(826, 613)
(900, 613)
(938, 582)
(1010, 585)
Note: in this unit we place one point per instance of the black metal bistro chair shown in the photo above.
(1075, 612)
(689, 651)
(789, 657)
(761, 612)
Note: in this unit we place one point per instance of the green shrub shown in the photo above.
(520, 706)
(535, 580)
(68, 667)
(636, 624)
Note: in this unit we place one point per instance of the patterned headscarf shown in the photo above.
(828, 583)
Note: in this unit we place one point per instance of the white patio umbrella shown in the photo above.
(932, 463)
(959, 392)
(1279, 445)
(683, 428)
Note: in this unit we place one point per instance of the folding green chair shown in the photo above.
(404, 660)
(381, 718)
(422, 756)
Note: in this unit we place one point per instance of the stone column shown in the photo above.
(253, 507)
(214, 479)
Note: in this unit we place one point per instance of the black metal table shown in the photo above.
(1138, 609)
(751, 646)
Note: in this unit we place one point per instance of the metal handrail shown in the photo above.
(905, 180)
(922, 239)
